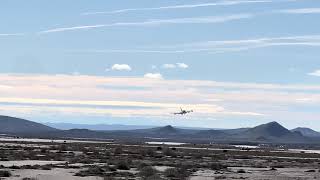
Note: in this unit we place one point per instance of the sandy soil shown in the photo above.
(257, 174)
(6, 139)
(54, 174)
(28, 162)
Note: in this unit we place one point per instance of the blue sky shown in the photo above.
(235, 62)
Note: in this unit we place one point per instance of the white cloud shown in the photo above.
(183, 6)
(169, 66)
(158, 22)
(182, 65)
(153, 76)
(121, 67)
(315, 73)
(177, 65)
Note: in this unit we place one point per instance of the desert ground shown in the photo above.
(44, 159)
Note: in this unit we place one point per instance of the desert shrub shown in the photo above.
(86, 161)
(108, 178)
(123, 165)
(31, 167)
(277, 166)
(43, 150)
(91, 171)
(142, 165)
(217, 166)
(178, 173)
(147, 152)
(4, 173)
(150, 152)
(171, 173)
(46, 167)
(14, 167)
(147, 171)
(62, 147)
(118, 150)
(221, 177)
(29, 178)
(169, 152)
(273, 169)
(154, 177)
(198, 156)
(312, 170)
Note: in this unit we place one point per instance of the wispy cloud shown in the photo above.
(183, 6)
(246, 44)
(301, 11)
(158, 22)
(126, 51)
(223, 46)
(11, 34)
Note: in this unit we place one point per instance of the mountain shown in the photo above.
(271, 132)
(307, 132)
(210, 134)
(159, 131)
(78, 133)
(235, 131)
(273, 129)
(96, 127)
(12, 125)
(166, 130)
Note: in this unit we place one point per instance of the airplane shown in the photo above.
(183, 112)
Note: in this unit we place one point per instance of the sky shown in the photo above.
(236, 63)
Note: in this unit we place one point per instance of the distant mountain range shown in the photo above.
(106, 127)
(271, 132)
